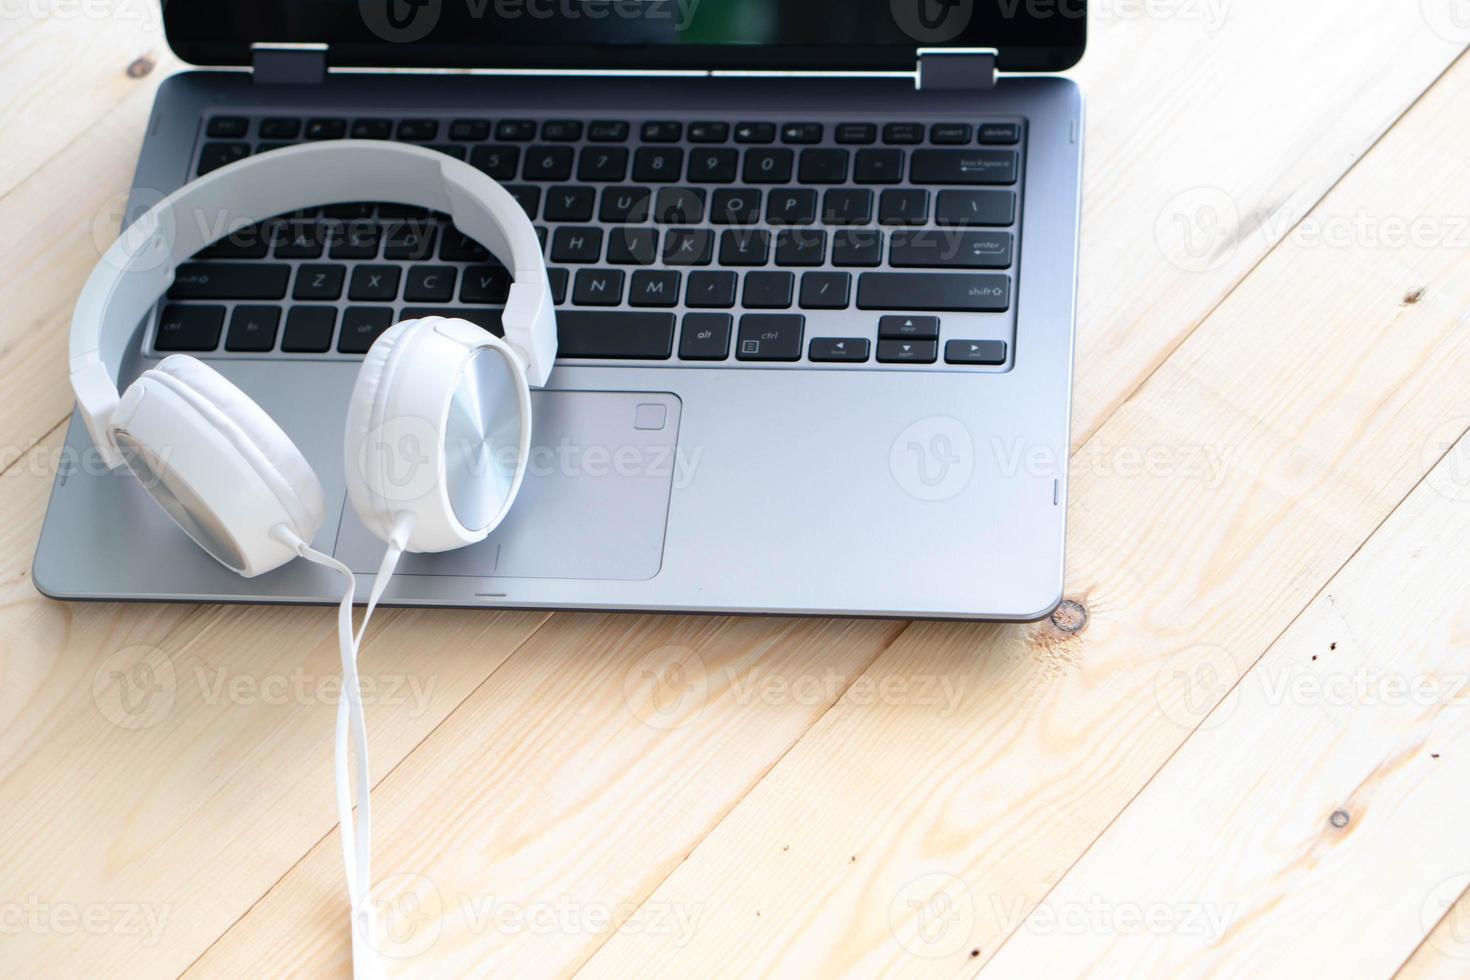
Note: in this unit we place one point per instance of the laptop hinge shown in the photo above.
(951, 69)
(288, 64)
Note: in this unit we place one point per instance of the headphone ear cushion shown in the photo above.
(238, 418)
(363, 418)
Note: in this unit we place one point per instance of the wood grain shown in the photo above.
(1317, 386)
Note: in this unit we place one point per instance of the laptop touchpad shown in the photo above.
(594, 503)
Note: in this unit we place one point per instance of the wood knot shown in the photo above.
(1070, 617)
(141, 65)
(1413, 298)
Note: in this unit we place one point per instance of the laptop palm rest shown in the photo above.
(594, 503)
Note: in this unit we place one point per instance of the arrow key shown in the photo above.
(908, 328)
(989, 352)
(908, 351)
(840, 349)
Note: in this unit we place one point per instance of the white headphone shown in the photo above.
(443, 397)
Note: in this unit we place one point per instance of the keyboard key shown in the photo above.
(226, 127)
(1000, 134)
(688, 246)
(874, 166)
(561, 131)
(230, 280)
(934, 291)
(632, 246)
(411, 241)
(280, 128)
(300, 239)
(988, 352)
(908, 351)
(948, 248)
(469, 130)
(189, 328)
(768, 290)
(485, 318)
(679, 206)
(903, 207)
(857, 133)
(351, 211)
(711, 290)
(326, 129)
(713, 166)
(706, 336)
(548, 163)
(388, 210)
(770, 337)
(576, 244)
(355, 240)
(598, 287)
(361, 325)
(822, 166)
(709, 132)
(847, 207)
(857, 247)
(658, 164)
(615, 334)
(559, 279)
(663, 132)
(850, 350)
(950, 133)
(362, 129)
(456, 246)
(515, 130)
(319, 282)
(527, 196)
(605, 131)
(624, 204)
(602, 163)
(655, 287)
(791, 207)
(418, 131)
(253, 329)
(740, 246)
(908, 328)
(736, 207)
(976, 208)
(499, 162)
(801, 133)
(374, 283)
(825, 290)
(755, 133)
(801, 246)
(963, 167)
(309, 330)
(216, 155)
(489, 284)
(903, 132)
(767, 166)
(449, 150)
(250, 242)
(570, 203)
(430, 284)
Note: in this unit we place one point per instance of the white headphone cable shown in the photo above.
(356, 834)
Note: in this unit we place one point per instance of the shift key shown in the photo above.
(939, 291)
(230, 280)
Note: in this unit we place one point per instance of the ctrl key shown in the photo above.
(189, 328)
(770, 337)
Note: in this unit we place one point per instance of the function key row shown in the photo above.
(612, 131)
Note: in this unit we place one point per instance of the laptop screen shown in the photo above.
(1036, 35)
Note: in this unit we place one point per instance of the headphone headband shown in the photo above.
(140, 265)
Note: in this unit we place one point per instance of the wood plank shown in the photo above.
(1281, 433)
(554, 800)
(161, 766)
(1333, 777)
(1445, 952)
(65, 67)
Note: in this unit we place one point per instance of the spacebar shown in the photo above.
(933, 291)
(614, 333)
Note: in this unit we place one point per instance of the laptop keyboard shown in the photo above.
(720, 242)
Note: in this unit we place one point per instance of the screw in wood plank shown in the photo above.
(141, 65)
(1340, 818)
(1070, 617)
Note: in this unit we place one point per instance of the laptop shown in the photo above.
(814, 265)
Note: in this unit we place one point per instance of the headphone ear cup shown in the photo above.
(365, 423)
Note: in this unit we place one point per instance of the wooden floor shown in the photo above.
(1242, 747)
